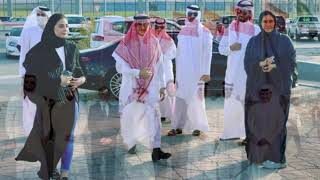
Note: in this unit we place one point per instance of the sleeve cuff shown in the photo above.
(135, 73)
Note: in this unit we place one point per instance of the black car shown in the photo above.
(4, 18)
(102, 74)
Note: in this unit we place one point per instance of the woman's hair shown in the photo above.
(266, 13)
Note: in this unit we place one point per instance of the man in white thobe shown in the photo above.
(193, 64)
(139, 60)
(30, 36)
(168, 48)
(233, 44)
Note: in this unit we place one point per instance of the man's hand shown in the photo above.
(162, 93)
(76, 82)
(145, 73)
(205, 78)
(235, 46)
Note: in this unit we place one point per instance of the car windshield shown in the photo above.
(15, 32)
(308, 19)
(75, 20)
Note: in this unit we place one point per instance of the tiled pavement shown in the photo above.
(100, 154)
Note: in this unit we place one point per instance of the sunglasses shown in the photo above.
(159, 27)
(41, 14)
(243, 12)
(268, 21)
(194, 14)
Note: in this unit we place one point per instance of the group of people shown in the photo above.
(257, 85)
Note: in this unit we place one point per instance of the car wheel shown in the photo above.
(113, 81)
(297, 36)
(290, 34)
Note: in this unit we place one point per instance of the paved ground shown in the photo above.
(100, 154)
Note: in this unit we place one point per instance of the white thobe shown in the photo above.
(166, 105)
(235, 82)
(193, 60)
(29, 38)
(140, 123)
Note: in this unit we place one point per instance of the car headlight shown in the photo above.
(13, 44)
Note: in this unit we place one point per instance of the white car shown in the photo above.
(76, 24)
(305, 26)
(112, 28)
(103, 34)
(12, 41)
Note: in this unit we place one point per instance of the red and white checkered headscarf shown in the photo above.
(164, 39)
(140, 52)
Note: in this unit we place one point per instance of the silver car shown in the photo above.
(12, 41)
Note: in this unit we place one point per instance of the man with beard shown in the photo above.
(139, 60)
(193, 65)
(168, 49)
(233, 44)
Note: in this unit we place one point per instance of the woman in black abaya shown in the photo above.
(56, 97)
(269, 64)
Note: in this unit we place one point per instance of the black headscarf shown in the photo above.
(268, 37)
(49, 38)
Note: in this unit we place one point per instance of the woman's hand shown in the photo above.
(76, 82)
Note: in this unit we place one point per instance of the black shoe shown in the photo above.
(196, 133)
(172, 132)
(133, 150)
(158, 154)
(64, 178)
(178, 131)
(55, 174)
(243, 143)
(163, 119)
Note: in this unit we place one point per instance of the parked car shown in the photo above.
(281, 24)
(77, 23)
(12, 41)
(4, 18)
(15, 21)
(305, 26)
(102, 74)
(226, 20)
(119, 27)
(98, 37)
(180, 21)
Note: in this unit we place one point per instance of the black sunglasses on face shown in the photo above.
(158, 27)
(41, 14)
(194, 14)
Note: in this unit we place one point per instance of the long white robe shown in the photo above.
(29, 37)
(235, 82)
(140, 123)
(193, 60)
(166, 105)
